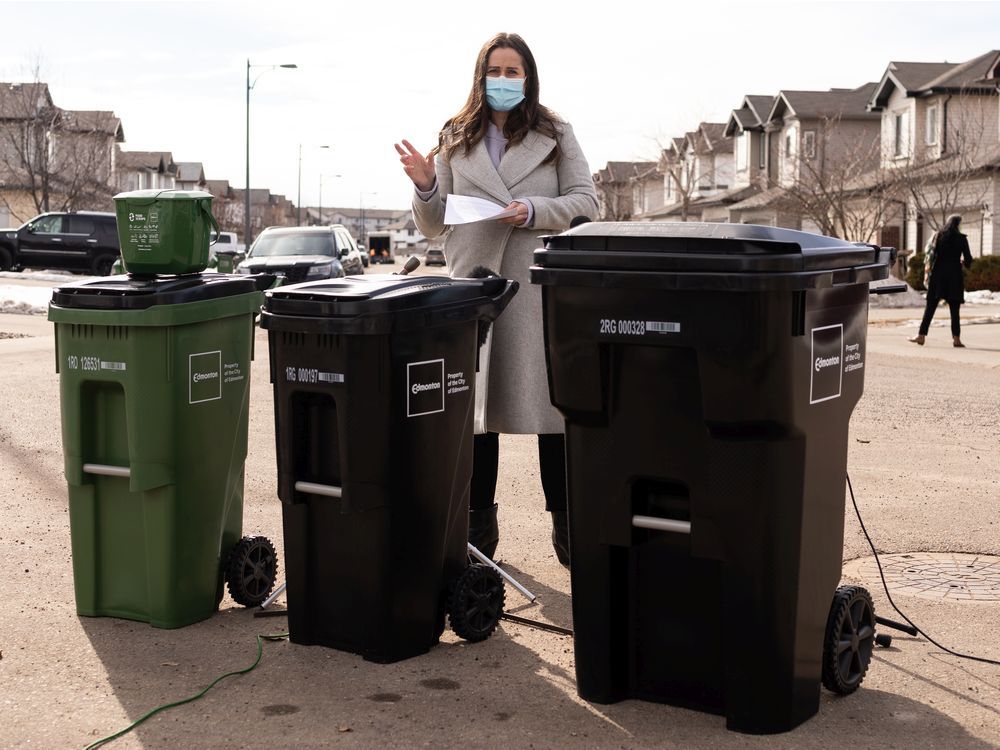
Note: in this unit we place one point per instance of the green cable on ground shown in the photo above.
(137, 722)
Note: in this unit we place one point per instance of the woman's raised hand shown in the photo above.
(418, 168)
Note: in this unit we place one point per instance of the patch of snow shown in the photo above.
(26, 300)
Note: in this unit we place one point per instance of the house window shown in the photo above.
(791, 136)
(932, 125)
(900, 124)
(743, 151)
(809, 144)
(762, 151)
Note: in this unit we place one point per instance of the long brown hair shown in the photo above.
(468, 127)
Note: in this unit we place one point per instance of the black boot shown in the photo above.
(484, 534)
(560, 536)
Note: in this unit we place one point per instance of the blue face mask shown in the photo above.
(503, 94)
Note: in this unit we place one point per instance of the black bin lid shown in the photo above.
(689, 255)
(140, 293)
(380, 304)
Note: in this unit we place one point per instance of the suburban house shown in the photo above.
(817, 143)
(615, 190)
(940, 138)
(885, 162)
(227, 207)
(698, 172)
(647, 188)
(190, 175)
(405, 235)
(51, 158)
(146, 170)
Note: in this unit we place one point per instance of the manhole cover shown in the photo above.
(933, 575)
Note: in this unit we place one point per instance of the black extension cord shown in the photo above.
(885, 586)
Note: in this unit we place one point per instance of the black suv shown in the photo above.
(82, 241)
(303, 253)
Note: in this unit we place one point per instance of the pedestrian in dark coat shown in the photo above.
(945, 282)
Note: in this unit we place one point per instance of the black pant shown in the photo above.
(551, 463)
(925, 324)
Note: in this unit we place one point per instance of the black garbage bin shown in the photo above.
(707, 374)
(374, 379)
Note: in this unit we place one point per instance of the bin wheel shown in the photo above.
(850, 638)
(476, 603)
(251, 570)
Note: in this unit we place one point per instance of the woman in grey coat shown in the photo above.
(505, 147)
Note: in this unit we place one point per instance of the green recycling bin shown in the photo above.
(165, 231)
(154, 379)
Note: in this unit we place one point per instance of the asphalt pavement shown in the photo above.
(924, 460)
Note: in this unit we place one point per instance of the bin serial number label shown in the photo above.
(628, 327)
(311, 375)
(93, 364)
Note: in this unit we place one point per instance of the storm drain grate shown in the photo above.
(957, 576)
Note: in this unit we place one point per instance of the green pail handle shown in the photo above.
(206, 204)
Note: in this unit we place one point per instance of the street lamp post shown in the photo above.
(246, 205)
(298, 201)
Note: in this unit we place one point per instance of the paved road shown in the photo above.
(924, 460)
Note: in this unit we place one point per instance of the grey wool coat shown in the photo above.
(518, 393)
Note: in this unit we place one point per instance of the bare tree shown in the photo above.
(229, 213)
(58, 159)
(680, 167)
(839, 183)
(691, 166)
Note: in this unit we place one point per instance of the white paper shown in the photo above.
(464, 209)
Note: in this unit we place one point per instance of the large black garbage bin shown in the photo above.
(374, 379)
(707, 374)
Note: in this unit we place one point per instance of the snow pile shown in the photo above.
(982, 297)
(910, 298)
(27, 300)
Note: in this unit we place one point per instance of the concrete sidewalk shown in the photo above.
(924, 459)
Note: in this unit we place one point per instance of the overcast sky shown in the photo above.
(370, 73)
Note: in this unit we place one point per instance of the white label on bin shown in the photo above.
(853, 359)
(457, 383)
(232, 372)
(424, 387)
(115, 366)
(204, 377)
(331, 377)
(662, 326)
(826, 371)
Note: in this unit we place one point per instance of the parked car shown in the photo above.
(434, 256)
(78, 241)
(301, 253)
